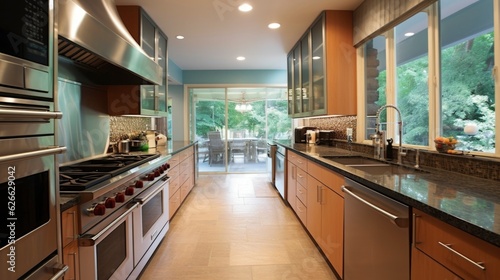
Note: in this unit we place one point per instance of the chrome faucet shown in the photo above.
(380, 134)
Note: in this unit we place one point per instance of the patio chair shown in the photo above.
(216, 148)
(261, 148)
(238, 146)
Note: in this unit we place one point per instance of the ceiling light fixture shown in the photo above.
(274, 25)
(316, 57)
(180, 37)
(243, 106)
(409, 34)
(245, 7)
(240, 58)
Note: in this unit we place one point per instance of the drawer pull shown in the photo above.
(477, 264)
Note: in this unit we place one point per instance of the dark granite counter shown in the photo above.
(468, 203)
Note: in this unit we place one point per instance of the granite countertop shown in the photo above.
(469, 203)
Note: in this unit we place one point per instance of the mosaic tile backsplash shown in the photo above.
(476, 166)
(125, 125)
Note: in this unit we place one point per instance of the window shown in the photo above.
(437, 67)
(467, 84)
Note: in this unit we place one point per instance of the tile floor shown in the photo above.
(235, 227)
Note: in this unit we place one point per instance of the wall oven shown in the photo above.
(26, 44)
(28, 241)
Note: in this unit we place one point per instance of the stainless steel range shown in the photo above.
(123, 211)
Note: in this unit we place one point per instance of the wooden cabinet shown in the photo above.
(148, 100)
(325, 213)
(425, 268)
(322, 68)
(181, 175)
(464, 255)
(297, 184)
(69, 228)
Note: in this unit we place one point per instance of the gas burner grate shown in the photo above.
(78, 181)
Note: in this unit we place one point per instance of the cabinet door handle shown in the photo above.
(293, 173)
(414, 235)
(476, 264)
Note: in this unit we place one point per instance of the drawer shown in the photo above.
(173, 186)
(425, 268)
(185, 175)
(301, 211)
(173, 203)
(465, 255)
(302, 194)
(174, 160)
(173, 172)
(301, 176)
(185, 164)
(71, 259)
(298, 160)
(69, 224)
(327, 177)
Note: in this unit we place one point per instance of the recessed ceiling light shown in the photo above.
(245, 7)
(180, 37)
(316, 57)
(274, 25)
(409, 34)
(240, 58)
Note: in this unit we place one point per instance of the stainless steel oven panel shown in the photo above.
(23, 117)
(51, 269)
(29, 156)
(143, 240)
(90, 241)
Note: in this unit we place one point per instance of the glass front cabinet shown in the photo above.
(146, 100)
(322, 68)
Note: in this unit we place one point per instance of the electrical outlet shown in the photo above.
(349, 132)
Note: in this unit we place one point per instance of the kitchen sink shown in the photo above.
(353, 160)
(384, 169)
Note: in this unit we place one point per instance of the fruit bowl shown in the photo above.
(443, 145)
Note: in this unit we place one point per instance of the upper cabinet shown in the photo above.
(147, 100)
(322, 68)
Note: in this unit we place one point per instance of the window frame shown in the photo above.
(434, 83)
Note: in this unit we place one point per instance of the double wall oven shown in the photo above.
(123, 214)
(28, 166)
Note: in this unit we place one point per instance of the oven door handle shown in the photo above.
(88, 241)
(61, 271)
(149, 195)
(26, 114)
(34, 154)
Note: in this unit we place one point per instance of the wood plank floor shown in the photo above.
(235, 227)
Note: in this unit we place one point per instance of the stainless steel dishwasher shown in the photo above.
(376, 235)
(279, 170)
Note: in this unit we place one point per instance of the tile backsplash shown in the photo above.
(125, 125)
(338, 124)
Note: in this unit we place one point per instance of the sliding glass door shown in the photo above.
(232, 126)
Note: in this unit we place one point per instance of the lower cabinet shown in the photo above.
(314, 193)
(453, 252)
(69, 226)
(181, 175)
(325, 213)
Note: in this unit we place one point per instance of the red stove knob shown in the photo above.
(157, 173)
(139, 184)
(151, 176)
(99, 209)
(167, 166)
(120, 197)
(161, 169)
(129, 190)
(110, 202)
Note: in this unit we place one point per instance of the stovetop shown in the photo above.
(86, 174)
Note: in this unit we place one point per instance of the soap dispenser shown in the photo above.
(388, 155)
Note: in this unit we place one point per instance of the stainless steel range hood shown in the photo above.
(93, 36)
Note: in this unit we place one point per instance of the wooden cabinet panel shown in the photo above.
(173, 185)
(332, 228)
(425, 268)
(301, 176)
(174, 160)
(334, 180)
(452, 247)
(69, 225)
(69, 231)
(301, 210)
(173, 172)
(314, 208)
(298, 160)
(173, 203)
(71, 259)
(302, 194)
